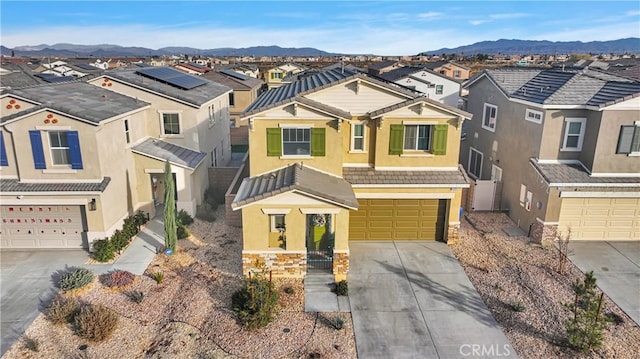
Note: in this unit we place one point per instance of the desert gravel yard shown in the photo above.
(512, 270)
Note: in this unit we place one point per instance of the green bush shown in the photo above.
(75, 278)
(336, 322)
(136, 296)
(182, 232)
(585, 328)
(31, 344)
(103, 250)
(118, 279)
(184, 217)
(62, 310)
(517, 306)
(119, 240)
(140, 218)
(342, 288)
(95, 322)
(158, 277)
(129, 228)
(255, 304)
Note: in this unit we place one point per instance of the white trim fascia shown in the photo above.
(50, 110)
(425, 122)
(60, 180)
(145, 89)
(164, 160)
(574, 194)
(18, 97)
(405, 195)
(437, 185)
(546, 223)
(117, 117)
(615, 175)
(559, 162)
(385, 168)
(296, 191)
(68, 170)
(272, 251)
(35, 201)
(296, 125)
(360, 165)
(627, 185)
(53, 128)
(320, 210)
(276, 210)
(68, 193)
(8, 176)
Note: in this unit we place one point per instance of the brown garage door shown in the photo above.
(398, 219)
(41, 226)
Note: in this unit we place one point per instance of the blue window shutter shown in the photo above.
(36, 150)
(74, 150)
(3, 152)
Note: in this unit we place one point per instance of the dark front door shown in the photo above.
(319, 242)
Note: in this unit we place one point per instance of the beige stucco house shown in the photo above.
(564, 146)
(275, 75)
(338, 157)
(450, 69)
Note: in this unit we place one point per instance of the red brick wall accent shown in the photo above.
(281, 264)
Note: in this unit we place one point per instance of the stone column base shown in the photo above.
(453, 233)
(281, 264)
(340, 265)
(544, 234)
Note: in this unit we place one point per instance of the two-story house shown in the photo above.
(434, 85)
(275, 75)
(450, 69)
(337, 157)
(563, 144)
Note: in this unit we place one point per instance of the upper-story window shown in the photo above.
(357, 137)
(296, 141)
(439, 89)
(573, 134)
(64, 149)
(418, 137)
(276, 75)
(490, 117)
(456, 73)
(127, 135)
(629, 140)
(212, 114)
(59, 147)
(232, 100)
(171, 124)
(533, 116)
(3, 152)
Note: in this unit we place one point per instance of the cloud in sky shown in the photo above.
(430, 15)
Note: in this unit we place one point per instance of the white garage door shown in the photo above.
(601, 218)
(41, 226)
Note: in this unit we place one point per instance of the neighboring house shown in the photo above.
(381, 67)
(565, 147)
(450, 69)
(338, 156)
(275, 75)
(434, 85)
(192, 68)
(245, 69)
(246, 90)
(187, 114)
(17, 76)
(68, 175)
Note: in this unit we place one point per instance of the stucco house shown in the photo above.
(564, 146)
(434, 85)
(339, 156)
(275, 75)
(450, 69)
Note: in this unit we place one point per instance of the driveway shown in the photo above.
(616, 266)
(413, 300)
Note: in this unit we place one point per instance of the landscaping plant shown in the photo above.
(103, 250)
(31, 344)
(118, 279)
(75, 278)
(95, 322)
(158, 277)
(255, 304)
(62, 310)
(563, 250)
(336, 322)
(342, 288)
(136, 296)
(170, 230)
(585, 329)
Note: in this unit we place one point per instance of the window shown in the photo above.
(171, 123)
(417, 137)
(3, 152)
(456, 73)
(528, 200)
(127, 136)
(276, 75)
(296, 141)
(439, 89)
(357, 137)
(573, 134)
(212, 114)
(277, 222)
(489, 117)
(629, 140)
(533, 116)
(523, 194)
(59, 145)
(232, 100)
(214, 158)
(475, 163)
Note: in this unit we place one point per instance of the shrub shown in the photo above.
(62, 310)
(103, 250)
(140, 218)
(182, 232)
(336, 322)
(213, 198)
(136, 296)
(517, 306)
(289, 289)
(585, 329)
(119, 240)
(75, 278)
(184, 217)
(95, 322)
(342, 288)
(118, 279)
(31, 344)
(255, 303)
(614, 318)
(205, 213)
(158, 277)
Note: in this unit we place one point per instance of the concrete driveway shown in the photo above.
(616, 266)
(413, 300)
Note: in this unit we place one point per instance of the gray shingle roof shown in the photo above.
(370, 176)
(79, 99)
(403, 72)
(296, 177)
(13, 185)
(233, 82)
(575, 174)
(162, 150)
(409, 102)
(195, 96)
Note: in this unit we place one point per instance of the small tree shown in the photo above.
(586, 327)
(563, 250)
(170, 229)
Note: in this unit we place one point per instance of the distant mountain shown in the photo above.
(512, 47)
(115, 50)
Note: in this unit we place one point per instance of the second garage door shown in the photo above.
(398, 219)
(601, 218)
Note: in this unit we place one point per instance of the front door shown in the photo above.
(320, 241)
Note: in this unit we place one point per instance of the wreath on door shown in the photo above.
(319, 220)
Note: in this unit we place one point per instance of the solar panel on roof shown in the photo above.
(198, 66)
(142, 64)
(234, 74)
(51, 78)
(86, 67)
(172, 77)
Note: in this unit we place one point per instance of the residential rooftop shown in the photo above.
(162, 150)
(575, 174)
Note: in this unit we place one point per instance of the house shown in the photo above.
(246, 90)
(245, 69)
(340, 156)
(381, 67)
(450, 69)
(434, 85)
(275, 75)
(192, 68)
(562, 145)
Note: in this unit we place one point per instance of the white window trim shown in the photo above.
(212, 115)
(179, 113)
(272, 222)
(304, 127)
(51, 148)
(523, 194)
(415, 150)
(471, 149)
(127, 131)
(636, 124)
(484, 113)
(364, 136)
(528, 201)
(533, 112)
(567, 122)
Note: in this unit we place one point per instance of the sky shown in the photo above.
(349, 27)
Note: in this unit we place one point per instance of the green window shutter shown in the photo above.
(317, 141)
(395, 139)
(274, 142)
(440, 139)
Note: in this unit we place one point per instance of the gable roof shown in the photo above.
(409, 102)
(296, 178)
(435, 65)
(410, 71)
(575, 174)
(14, 185)
(235, 82)
(369, 176)
(162, 150)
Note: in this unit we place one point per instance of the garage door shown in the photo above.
(601, 218)
(41, 226)
(398, 219)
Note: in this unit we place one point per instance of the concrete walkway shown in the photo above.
(616, 266)
(413, 300)
(26, 284)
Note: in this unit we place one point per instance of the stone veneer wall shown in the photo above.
(544, 234)
(282, 264)
(453, 233)
(340, 265)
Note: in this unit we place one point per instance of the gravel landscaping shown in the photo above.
(513, 272)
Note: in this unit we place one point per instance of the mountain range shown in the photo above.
(502, 46)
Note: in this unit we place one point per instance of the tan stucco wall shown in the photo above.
(605, 158)
(10, 171)
(10, 105)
